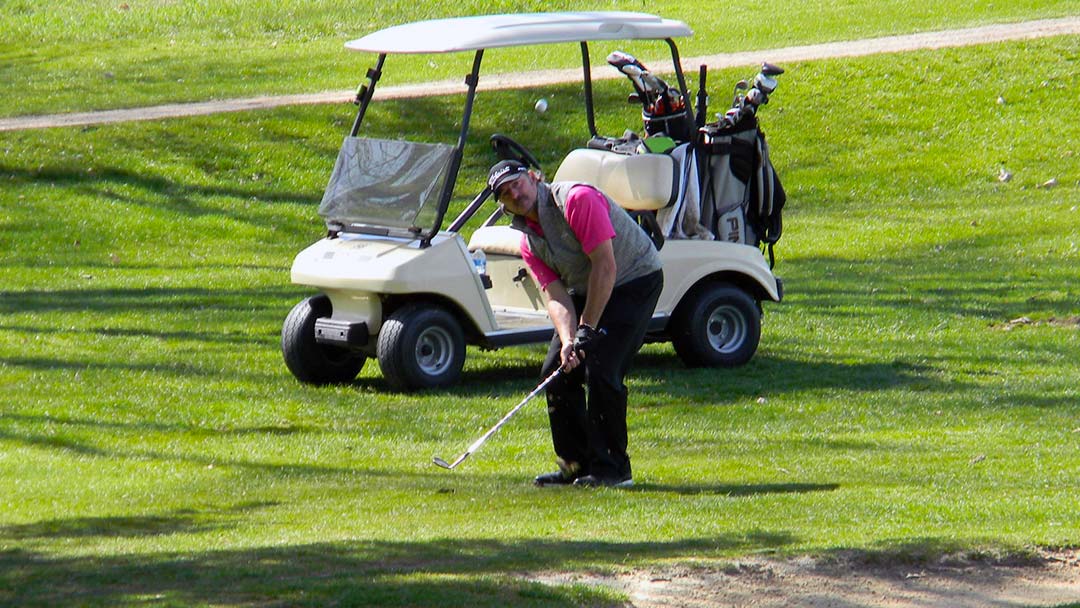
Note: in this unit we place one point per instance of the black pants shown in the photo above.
(592, 432)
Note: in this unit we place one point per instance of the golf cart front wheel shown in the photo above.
(421, 346)
(717, 325)
(308, 360)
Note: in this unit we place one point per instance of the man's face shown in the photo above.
(519, 195)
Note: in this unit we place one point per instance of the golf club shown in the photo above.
(742, 85)
(479, 442)
(757, 95)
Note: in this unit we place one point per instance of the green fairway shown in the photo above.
(915, 394)
(98, 54)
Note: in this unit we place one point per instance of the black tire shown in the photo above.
(716, 325)
(308, 360)
(421, 346)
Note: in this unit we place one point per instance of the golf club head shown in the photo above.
(764, 82)
(771, 70)
(742, 85)
(439, 462)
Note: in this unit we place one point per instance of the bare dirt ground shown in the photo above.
(1050, 578)
(891, 44)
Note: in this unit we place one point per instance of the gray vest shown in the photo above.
(559, 248)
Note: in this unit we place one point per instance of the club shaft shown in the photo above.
(479, 442)
(510, 414)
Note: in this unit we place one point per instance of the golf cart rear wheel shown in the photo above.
(308, 360)
(421, 346)
(716, 325)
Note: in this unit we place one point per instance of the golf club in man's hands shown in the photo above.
(479, 442)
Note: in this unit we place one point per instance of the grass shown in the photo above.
(153, 447)
(102, 54)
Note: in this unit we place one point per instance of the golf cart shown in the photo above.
(395, 285)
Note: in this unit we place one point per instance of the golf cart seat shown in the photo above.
(499, 240)
(637, 182)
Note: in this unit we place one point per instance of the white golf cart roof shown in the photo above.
(493, 31)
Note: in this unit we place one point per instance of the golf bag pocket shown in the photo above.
(731, 226)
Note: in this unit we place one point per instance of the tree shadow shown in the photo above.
(187, 521)
(946, 283)
(661, 372)
(735, 490)
(445, 572)
(771, 375)
(149, 299)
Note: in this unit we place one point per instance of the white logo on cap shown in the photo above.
(499, 175)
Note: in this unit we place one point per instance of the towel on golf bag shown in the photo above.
(683, 219)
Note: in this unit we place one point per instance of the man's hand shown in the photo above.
(587, 339)
(569, 357)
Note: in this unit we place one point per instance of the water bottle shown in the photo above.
(479, 260)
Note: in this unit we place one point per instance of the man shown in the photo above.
(601, 277)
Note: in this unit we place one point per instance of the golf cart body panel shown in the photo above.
(395, 284)
(497, 31)
(379, 267)
(686, 263)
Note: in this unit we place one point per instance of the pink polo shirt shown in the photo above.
(589, 219)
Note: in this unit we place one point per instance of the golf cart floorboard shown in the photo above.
(517, 328)
(520, 328)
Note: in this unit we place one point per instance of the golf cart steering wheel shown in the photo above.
(508, 149)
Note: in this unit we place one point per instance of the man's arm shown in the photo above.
(601, 282)
(561, 310)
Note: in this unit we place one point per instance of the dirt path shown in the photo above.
(890, 44)
(1050, 579)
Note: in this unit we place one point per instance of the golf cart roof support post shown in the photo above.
(469, 211)
(587, 80)
(472, 80)
(366, 92)
(677, 63)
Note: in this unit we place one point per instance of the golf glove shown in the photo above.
(587, 339)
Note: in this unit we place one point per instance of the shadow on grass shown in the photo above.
(103, 182)
(764, 375)
(451, 572)
(946, 284)
(664, 375)
(737, 490)
(184, 521)
(157, 300)
(87, 449)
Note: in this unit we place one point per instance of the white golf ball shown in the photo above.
(541, 105)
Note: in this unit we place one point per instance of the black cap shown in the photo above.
(502, 172)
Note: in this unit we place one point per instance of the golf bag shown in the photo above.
(663, 109)
(741, 195)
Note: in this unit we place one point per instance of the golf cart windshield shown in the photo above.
(385, 183)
